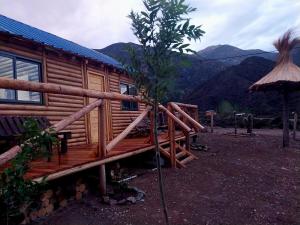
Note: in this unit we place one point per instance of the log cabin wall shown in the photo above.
(56, 69)
(120, 118)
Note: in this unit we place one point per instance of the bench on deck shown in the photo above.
(12, 130)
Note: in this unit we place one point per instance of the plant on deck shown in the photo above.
(162, 30)
(17, 192)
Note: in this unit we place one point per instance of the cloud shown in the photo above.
(98, 23)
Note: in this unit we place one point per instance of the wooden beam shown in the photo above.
(92, 164)
(102, 147)
(186, 105)
(184, 114)
(171, 130)
(63, 89)
(102, 132)
(128, 129)
(11, 153)
(185, 127)
(75, 116)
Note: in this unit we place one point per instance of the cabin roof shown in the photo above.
(16, 28)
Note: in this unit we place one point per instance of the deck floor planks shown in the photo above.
(83, 154)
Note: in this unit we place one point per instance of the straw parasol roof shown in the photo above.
(285, 75)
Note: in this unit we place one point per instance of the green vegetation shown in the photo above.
(17, 193)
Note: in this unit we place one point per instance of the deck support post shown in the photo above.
(102, 179)
(102, 147)
(171, 130)
(187, 142)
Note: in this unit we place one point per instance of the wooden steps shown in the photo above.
(182, 155)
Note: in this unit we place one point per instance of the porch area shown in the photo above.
(180, 123)
(82, 157)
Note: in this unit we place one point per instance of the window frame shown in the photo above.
(16, 57)
(131, 109)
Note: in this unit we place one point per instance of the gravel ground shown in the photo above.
(240, 180)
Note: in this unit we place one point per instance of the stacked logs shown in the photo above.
(52, 200)
(80, 191)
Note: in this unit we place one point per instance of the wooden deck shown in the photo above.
(83, 157)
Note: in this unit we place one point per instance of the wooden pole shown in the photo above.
(11, 153)
(235, 123)
(184, 114)
(128, 129)
(174, 118)
(171, 130)
(285, 118)
(295, 121)
(102, 179)
(63, 89)
(186, 105)
(102, 147)
(72, 118)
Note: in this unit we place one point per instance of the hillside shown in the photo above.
(231, 86)
(189, 76)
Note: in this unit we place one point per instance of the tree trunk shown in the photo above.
(157, 154)
(285, 119)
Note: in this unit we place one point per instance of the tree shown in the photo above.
(162, 29)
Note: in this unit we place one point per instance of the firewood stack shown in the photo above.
(80, 191)
(53, 199)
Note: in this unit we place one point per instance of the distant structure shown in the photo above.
(285, 78)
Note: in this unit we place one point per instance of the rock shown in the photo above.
(106, 199)
(113, 202)
(131, 199)
(122, 202)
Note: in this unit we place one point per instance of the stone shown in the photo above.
(131, 199)
(106, 200)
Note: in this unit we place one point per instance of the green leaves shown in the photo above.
(162, 28)
(15, 190)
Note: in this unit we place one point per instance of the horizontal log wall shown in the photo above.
(56, 107)
(58, 69)
(121, 119)
(60, 72)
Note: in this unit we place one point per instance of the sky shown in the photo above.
(247, 24)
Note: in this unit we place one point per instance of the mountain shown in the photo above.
(231, 55)
(189, 76)
(231, 88)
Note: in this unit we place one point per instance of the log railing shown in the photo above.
(11, 153)
(103, 148)
(128, 129)
(190, 119)
(186, 116)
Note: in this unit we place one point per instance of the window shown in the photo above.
(21, 69)
(128, 89)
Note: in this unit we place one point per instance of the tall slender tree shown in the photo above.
(163, 29)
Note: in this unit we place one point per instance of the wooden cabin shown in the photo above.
(30, 55)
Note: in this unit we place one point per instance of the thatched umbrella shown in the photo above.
(285, 78)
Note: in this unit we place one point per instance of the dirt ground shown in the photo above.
(239, 181)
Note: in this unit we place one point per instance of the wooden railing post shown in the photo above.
(171, 130)
(102, 146)
(101, 131)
